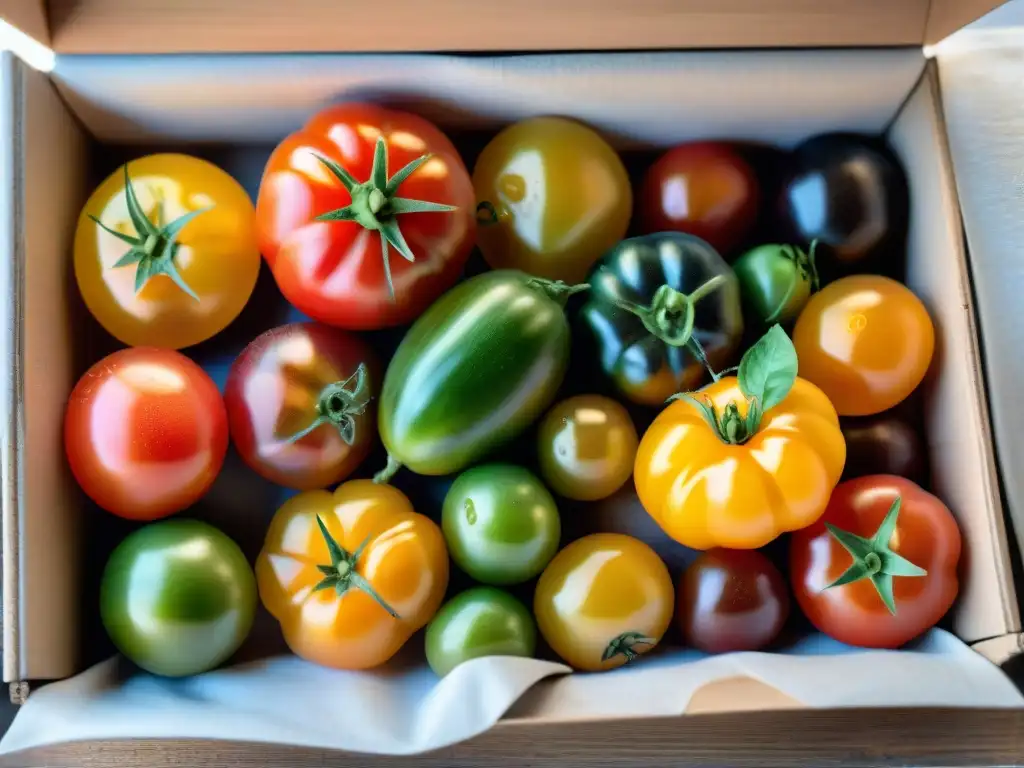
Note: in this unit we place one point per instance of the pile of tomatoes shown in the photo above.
(643, 352)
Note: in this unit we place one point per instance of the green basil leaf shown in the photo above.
(768, 369)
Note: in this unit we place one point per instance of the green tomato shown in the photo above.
(775, 282)
(501, 524)
(177, 597)
(482, 621)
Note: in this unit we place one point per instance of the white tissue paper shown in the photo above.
(285, 700)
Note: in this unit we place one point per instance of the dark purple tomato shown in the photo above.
(883, 445)
(850, 194)
(731, 600)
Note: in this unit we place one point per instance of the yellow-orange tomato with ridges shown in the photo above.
(403, 559)
(707, 493)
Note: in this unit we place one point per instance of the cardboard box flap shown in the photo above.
(173, 26)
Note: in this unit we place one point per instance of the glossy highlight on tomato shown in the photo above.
(300, 404)
(145, 432)
(177, 597)
(214, 254)
(338, 271)
(866, 341)
(703, 188)
(604, 600)
(553, 196)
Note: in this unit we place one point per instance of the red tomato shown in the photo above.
(893, 543)
(145, 432)
(706, 189)
(306, 380)
(341, 271)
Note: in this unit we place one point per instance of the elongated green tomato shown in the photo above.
(177, 597)
(775, 282)
(474, 371)
(482, 621)
(501, 524)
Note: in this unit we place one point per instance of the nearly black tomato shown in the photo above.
(850, 194)
(883, 445)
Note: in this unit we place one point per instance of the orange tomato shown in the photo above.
(351, 575)
(604, 600)
(192, 282)
(706, 492)
(867, 341)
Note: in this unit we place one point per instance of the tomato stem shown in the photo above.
(623, 645)
(389, 471)
(341, 574)
(375, 204)
(339, 404)
(556, 290)
(154, 246)
(873, 559)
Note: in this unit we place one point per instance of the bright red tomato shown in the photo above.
(705, 189)
(145, 432)
(309, 381)
(874, 573)
(412, 233)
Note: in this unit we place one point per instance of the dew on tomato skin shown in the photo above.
(470, 512)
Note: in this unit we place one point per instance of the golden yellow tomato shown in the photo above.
(171, 259)
(552, 197)
(604, 600)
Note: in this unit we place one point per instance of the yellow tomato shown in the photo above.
(131, 289)
(604, 600)
(553, 196)
(351, 575)
(705, 491)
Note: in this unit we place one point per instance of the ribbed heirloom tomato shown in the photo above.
(145, 432)
(366, 215)
(165, 251)
(351, 575)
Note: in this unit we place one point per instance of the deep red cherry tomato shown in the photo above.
(731, 600)
(145, 432)
(298, 401)
(706, 189)
(412, 233)
(875, 573)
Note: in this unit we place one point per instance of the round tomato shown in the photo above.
(883, 445)
(482, 621)
(731, 600)
(880, 567)
(586, 447)
(177, 597)
(500, 523)
(553, 196)
(351, 575)
(165, 251)
(365, 216)
(775, 282)
(145, 432)
(298, 403)
(866, 341)
(705, 189)
(603, 600)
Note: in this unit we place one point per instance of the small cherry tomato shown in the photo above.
(298, 404)
(866, 341)
(883, 445)
(553, 196)
(880, 566)
(705, 189)
(145, 432)
(776, 282)
(731, 600)
(365, 216)
(482, 621)
(351, 575)
(166, 252)
(604, 600)
(500, 523)
(586, 446)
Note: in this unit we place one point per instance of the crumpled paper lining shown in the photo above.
(285, 700)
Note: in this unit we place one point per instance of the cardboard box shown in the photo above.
(55, 125)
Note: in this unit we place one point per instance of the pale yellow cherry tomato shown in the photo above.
(184, 283)
(586, 447)
(604, 600)
(552, 197)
